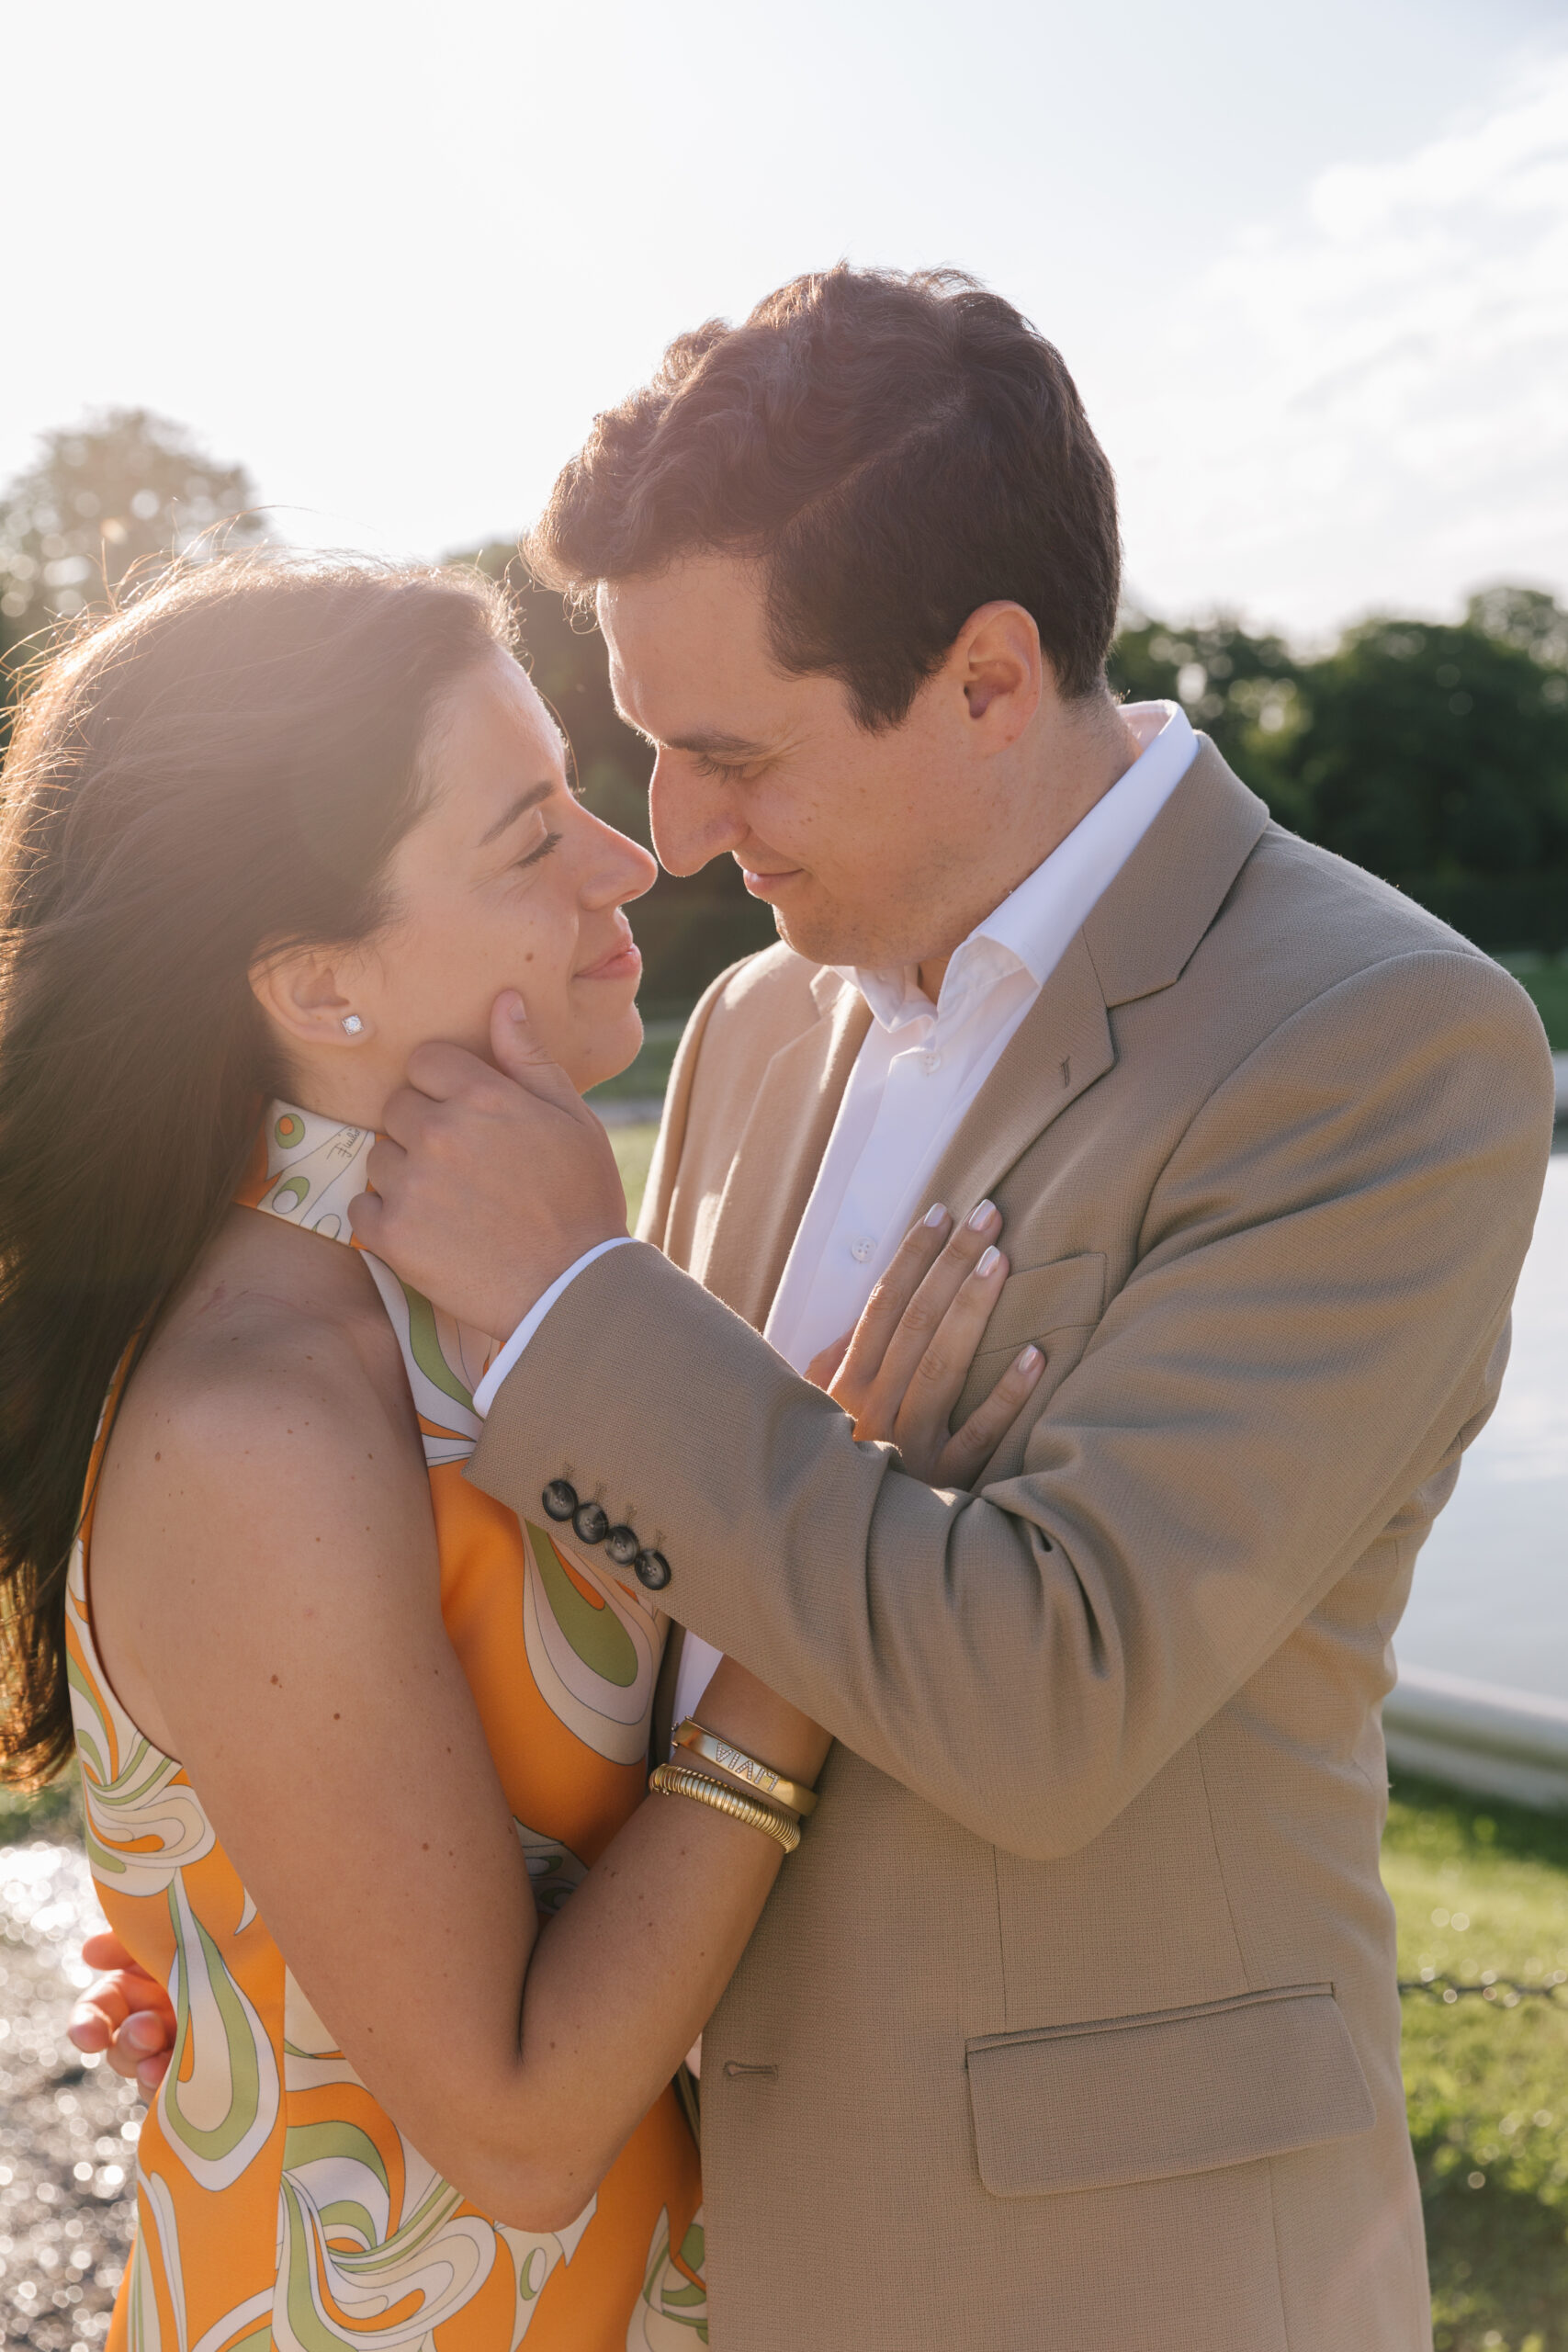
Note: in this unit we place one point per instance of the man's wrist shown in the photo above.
(509, 1353)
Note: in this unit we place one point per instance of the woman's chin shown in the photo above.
(610, 1052)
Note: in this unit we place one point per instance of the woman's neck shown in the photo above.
(351, 1097)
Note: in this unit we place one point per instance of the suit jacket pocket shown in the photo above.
(1043, 1304)
(1177, 2091)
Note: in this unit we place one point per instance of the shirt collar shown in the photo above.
(1028, 932)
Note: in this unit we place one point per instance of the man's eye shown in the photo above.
(722, 772)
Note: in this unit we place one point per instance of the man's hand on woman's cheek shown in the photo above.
(488, 1183)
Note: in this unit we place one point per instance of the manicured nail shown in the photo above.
(980, 1218)
(989, 1262)
(936, 1217)
(1028, 1359)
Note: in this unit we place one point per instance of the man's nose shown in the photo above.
(691, 816)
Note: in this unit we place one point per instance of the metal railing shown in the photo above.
(1477, 1736)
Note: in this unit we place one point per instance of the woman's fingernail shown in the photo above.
(1028, 1359)
(980, 1218)
(989, 1262)
(935, 1216)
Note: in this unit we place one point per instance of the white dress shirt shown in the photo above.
(918, 1070)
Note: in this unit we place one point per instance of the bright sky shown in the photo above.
(1310, 265)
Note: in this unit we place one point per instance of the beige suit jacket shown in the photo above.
(1074, 2021)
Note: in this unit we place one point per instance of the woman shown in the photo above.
(349, 1734)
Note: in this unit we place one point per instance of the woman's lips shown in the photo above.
(623, 963)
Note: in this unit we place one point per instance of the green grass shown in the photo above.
(649, 1074)
(634, 1150)
(1479, 1886)
(1547, 984)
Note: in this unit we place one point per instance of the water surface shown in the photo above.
(1491, 1593)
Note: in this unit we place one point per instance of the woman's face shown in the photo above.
(506, 881)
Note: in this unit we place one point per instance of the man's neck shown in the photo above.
(1086, 755)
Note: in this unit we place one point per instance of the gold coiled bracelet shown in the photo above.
(679, 1781)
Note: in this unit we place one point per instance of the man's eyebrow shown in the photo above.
(712, 743)
(520, 808)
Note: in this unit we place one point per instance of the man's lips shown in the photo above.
(767, 886)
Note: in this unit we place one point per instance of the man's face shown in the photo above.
(871, 848)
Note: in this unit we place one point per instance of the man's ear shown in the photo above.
(1001, 669)
(300, 994)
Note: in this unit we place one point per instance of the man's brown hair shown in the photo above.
(893, 450)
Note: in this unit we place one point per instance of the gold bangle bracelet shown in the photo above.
(763, 1779)
(679, 1781)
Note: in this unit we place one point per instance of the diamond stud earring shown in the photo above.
(353, 1023)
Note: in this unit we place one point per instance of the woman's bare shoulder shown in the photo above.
(272, 1386)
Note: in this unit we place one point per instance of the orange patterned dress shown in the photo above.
(278, 2204)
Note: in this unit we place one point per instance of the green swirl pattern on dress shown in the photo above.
(221, 2116)
(554, 1870)
(144, 1822)
(672, 2314)
(330, 2296)
(596, 1667)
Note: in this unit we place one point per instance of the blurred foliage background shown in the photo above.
(1436, 754)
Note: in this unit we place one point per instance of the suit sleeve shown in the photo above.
(1318, 1304)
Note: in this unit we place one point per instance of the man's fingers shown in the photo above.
(105, 1952)
(520, 1056)
(96, 2019)
(824, 1368)
(436, 1073)
(966, 1453)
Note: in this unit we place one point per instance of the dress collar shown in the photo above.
(307, 1168)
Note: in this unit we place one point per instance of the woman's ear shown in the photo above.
(301, 995)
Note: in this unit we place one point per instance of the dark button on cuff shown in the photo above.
(653, 1571)
(622, 1546)
(559, 1499)
(591, 1521)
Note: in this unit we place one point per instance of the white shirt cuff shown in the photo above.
(484, 1395)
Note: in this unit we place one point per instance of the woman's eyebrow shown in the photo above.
(520, 808)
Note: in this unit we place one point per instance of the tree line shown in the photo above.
(1435, 754)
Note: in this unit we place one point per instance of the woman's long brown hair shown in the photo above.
(222, 769)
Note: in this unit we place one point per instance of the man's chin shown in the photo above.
(820, 940)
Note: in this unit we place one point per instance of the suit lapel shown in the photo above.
(1062, 1044)
(780, 1151)
(1138, 938)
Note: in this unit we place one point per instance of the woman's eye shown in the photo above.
(541, 849)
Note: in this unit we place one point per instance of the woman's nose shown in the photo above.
(622, 869)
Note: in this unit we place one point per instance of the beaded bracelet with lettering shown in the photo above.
(679, 1781)
(768, 1783)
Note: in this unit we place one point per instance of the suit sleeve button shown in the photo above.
(591, 1521)
(653, 1571)
(622, 1546)
(559, 1499)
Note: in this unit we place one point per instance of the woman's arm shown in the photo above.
(623, 1948)
(276, 1536)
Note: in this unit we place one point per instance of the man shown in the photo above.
(1074, 2021)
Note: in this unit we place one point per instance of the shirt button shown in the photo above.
(931, 1061)
(861, 1250)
